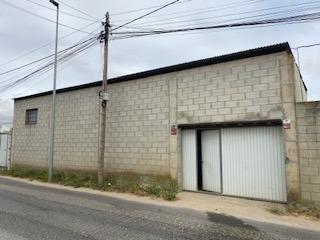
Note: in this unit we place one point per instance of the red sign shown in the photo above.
(173, 130)
(286, 124)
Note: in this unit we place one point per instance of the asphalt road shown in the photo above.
(29, 212)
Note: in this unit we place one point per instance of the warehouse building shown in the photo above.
(226, 125)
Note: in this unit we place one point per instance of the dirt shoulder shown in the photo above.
(241, 208)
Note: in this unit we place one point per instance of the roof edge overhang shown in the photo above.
(282, 47)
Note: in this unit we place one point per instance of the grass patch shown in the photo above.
(155, 186)
(298, 207)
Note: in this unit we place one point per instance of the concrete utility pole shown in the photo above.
(53, 110)
(103, 105)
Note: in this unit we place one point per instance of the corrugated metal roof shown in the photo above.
(282, 47)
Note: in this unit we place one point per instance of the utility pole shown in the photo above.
(53, 109)
(103, 105)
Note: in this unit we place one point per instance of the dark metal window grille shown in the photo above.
(31, 116)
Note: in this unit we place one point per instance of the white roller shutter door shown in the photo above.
(253, 163)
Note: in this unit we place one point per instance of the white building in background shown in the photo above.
(5, 128)
(5, 142)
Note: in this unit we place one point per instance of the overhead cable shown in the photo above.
(47, 44)
(145, 15)
(77, 10)
(39, 16)
(297, 8)
(292, 19)
(60, 11)
(44, 58)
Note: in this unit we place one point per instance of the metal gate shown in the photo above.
(210, 161)
(245, 162)
(189, 156)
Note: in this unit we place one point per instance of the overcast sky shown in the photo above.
(21, 32)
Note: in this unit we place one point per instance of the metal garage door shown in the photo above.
(244, 162)
(189, 162)
(253, 163)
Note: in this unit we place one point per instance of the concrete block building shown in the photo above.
(215, 125)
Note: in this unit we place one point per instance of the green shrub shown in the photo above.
(170, 191)
(154, 189)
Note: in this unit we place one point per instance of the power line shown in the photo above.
(25, 72)
(32, 68)
(256, 17)
(207, 30)
(291, 19)
(61, 69)
(143, 9)
(303, 46)
(142, 28)
(145, 15)
(44, 58)
(161, 21)
(203, 10)
(259, 17)
(47, 61)
(63, 12)
(307, 46)
(76, 9)
(47, 44)
(39, 16)
(48, 66)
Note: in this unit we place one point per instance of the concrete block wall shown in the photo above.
(300, 89)
(137, 127)
(308, 123)
(76, 131)
(30, 142)
(242, 90)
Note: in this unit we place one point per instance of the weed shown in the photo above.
(156, 186)
(277, 211)
(307, 208)
(298, 207)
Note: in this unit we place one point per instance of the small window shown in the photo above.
(31, 116)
